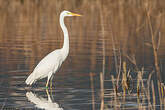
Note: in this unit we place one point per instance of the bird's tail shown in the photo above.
(30, 80)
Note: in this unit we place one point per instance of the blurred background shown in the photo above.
(30, 29)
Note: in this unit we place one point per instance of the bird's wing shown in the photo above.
(49, 63)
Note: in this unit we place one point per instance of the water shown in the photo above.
(29, 30)
(71, 91)
(68, 92)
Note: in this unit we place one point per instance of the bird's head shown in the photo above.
(68, 13)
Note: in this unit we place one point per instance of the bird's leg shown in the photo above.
(49, 98)
(49, 76)
(51, 92)
(51, 82)
(47, 83)
(47, 92)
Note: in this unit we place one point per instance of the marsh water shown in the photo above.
(29, 30)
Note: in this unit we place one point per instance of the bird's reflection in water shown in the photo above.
(43, 103)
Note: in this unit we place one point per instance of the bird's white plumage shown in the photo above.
(48, 65)
(51, 63)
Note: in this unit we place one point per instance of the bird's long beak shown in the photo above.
(74, 14)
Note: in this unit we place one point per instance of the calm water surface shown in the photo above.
(72, 90)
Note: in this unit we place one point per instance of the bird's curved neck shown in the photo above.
(65, 47)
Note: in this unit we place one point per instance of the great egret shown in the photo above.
(52, 62)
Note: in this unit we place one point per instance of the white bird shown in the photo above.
(52, 62)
